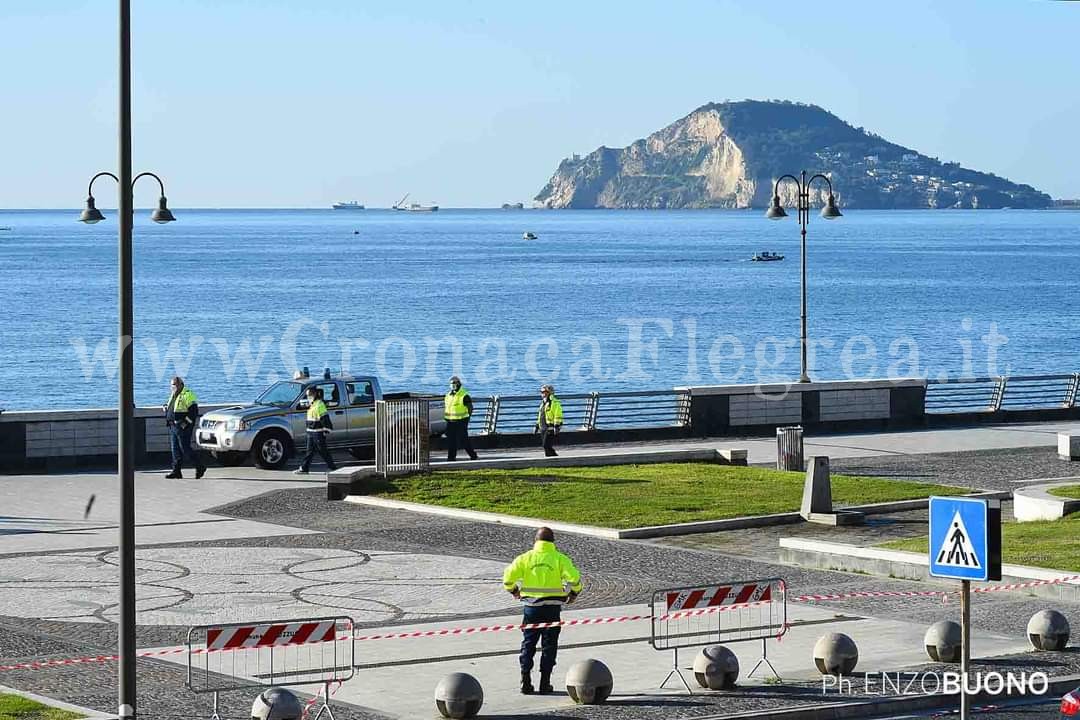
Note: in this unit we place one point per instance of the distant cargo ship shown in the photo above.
(414, 207)
(350, 205)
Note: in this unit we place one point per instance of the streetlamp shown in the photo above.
(829, 212)
(125, 451)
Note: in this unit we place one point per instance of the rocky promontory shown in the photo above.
(727, 155)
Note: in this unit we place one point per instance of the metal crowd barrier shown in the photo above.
(722, 612)
(994, 394)
(402, 436)
(237, 656)
(584, 411)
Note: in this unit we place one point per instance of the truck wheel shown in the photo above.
(271, 449)
(229, 459)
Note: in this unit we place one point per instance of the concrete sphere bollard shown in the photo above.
(942, 641)
(459, 695)
(716, 668)
(276, 704)
(1048, 630)
(589, 682)
(835, 654)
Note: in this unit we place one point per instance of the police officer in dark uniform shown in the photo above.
(181, 416)
(318, 425)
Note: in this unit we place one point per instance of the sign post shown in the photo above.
(965, 545)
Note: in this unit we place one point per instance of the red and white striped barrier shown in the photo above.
(270, 635)
(717, 595)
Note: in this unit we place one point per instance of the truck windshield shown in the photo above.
(280, 394)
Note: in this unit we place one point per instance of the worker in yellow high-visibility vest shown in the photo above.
(543, 579)
(181, 416)
(457, 409)
(549, 418)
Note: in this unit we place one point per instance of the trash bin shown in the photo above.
(789, 448)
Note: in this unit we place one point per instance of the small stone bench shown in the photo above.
(1068, 446)
(1034, 502)
(340, 482)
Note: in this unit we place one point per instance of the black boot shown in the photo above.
(200, 471)
(545, 683)
(526, 684)
(175, 474)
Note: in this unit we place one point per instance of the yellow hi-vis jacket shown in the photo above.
(454, 407)
(550, 412)
(544, 575)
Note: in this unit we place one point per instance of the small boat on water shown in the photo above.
(767, 257)
(528, 236)
(414, 207)
(350, 205)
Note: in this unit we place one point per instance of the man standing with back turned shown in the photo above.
(543, 579)
(457, 409)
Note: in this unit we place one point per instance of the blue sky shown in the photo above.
(268, 103)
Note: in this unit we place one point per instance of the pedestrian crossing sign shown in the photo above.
(965, 538)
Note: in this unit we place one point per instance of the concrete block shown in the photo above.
(716, 668)
(835, 654)
(1048, 630)
(817, 488)
(942, 641)
(459, 695)
(1068, 446)
(733, 456)
(589, 682)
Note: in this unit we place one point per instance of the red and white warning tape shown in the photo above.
(444, 632)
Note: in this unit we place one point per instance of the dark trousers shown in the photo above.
(457, 436)
(550, 636)
(316, 441)
(180, 444)
(549, 441)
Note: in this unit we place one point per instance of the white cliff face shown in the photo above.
(712, 166)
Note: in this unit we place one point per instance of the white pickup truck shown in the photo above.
(271, 429)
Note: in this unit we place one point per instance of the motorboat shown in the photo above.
(348, 205)
(767, 257)
(528, 236)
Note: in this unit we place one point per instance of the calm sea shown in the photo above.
(602, 300)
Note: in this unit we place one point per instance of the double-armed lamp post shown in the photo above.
(829, 212)
(125, 452)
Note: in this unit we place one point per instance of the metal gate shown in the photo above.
(402, 436)
(721, 612)
(789, 448)
(305, 651)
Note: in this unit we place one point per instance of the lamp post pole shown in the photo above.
(829, 212)
(126, 416)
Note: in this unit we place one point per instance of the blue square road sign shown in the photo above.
(965, 538)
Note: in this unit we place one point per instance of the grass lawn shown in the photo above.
(1052, 544)
(624, 496)
(1071, 492)
(14, 707)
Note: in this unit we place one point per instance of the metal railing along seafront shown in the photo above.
(585, 411)
(995, 394)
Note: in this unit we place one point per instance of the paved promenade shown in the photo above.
(244, 544)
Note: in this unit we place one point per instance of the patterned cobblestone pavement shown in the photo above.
(617, 573)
